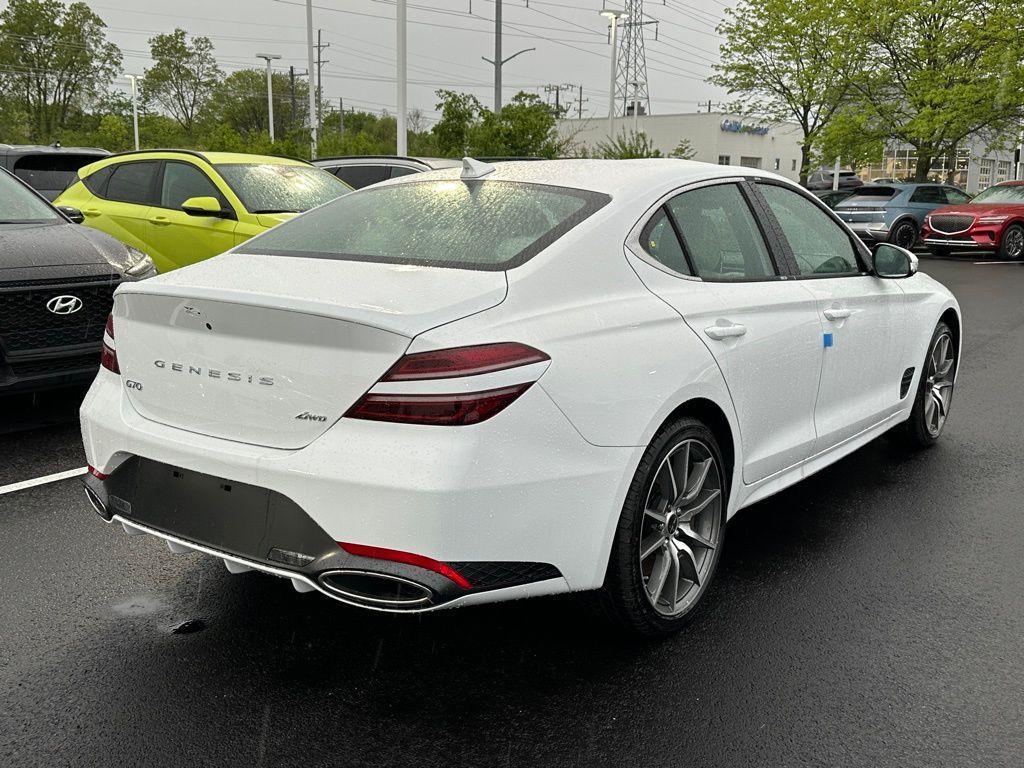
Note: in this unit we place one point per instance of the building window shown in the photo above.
(723, 160)
(985, 168)
(1002, 171)
(793, 168)
(778, 163)
(750, 162)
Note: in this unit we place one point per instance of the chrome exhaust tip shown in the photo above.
(97, 504)
(379, 590)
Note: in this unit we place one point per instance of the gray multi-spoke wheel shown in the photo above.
(1012, 245)
(669, 539)
(904, 235)
(681, 527)
(935, 391)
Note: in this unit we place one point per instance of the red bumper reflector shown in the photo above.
(445, 410)
(96, 473)
(408, 558)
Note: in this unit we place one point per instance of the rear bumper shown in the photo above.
(522, 488)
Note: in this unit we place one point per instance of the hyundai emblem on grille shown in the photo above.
(64, 305)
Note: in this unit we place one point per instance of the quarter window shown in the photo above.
(659, 240)
(183, 181)
(133, 183)
(819, 245)
(96, 182)
(720, 234)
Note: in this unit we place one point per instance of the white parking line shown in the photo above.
(42, 480)
(986, 263)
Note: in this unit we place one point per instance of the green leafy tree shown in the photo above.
(460, 112)
(525, 127)
(852, 139)
(55, 61)
(939, 71)
(684, 150)
(183, 76)
(240, 101)
(790, 61)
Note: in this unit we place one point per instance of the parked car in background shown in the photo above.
(181, 207)
(527, 379)
(49, 170)
(894, 213)
(993, 221)
(822, 179)
(363, 170)
(832, 197)
(886, 180)
(57, 281)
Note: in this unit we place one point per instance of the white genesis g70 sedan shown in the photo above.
(521, 379)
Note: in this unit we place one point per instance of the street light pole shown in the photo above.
(402, 142)
(312, 92)
(498, 64)
(135, 109)
(268, 57)
(613, 17)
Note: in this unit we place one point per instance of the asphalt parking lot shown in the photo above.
(872, 616)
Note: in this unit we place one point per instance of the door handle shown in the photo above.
(719, 332)
(90, 212)
(160, 221)
(837, 313)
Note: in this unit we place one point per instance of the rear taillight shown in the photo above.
(108, 358)
(463, 361)
(456, 408)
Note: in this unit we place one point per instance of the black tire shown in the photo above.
(1011, 245)
(917, 431)
(625, 598)
(904, 234)
(939, 251)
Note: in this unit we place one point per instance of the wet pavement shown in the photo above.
(871, 616)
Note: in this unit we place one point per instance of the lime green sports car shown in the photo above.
(181, 207)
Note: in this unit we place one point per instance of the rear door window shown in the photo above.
(133, 182)
(955, 196)
(359, 176)
(932, 195)
(720, 234)
(484, 225)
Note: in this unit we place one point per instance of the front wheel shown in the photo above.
(904, 234)
(934, 391)
(669, 538)
(1011, 247)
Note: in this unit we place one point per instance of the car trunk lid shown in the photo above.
(280, 348)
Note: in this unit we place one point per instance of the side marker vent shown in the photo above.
(908, 376)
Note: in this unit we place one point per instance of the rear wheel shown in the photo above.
(935, 390)
(1011, 247)
(904, 234)
(669, 539)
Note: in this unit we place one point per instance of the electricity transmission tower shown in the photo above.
(631, 70)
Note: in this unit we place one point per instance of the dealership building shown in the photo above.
(976, 165)
(715, 137)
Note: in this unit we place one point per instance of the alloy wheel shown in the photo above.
(681, 528)
(939, 384)
(905, 235)
(1014, 242)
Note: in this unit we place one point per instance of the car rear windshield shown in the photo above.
(51, 173)
(19, 205)
(277, 188)
(482, 225)
(870, 194)
(1011, 193)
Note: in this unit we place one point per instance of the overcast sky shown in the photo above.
(446, 42)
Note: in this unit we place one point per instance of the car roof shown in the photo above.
(213, 158)
(430, 162)
(47, 149)
(612, 177)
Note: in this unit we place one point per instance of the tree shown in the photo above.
(240, 101)
(684, 150)
(939, 71)
(525, 127)
(791, 61)
(850, 138)
(183, 76)
(56, 60)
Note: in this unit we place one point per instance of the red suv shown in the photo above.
(992, 221)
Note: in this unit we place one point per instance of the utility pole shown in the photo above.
(579, 104)
(341, 117)
(402, 142)
(135, 109)
(320, 61)
(497, 62)
(312, 96)
(295, 106)
(557, 90)
(613, 17)
(268, 57)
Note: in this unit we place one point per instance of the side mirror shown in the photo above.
(894, 262)
(72, 213)
(204, 206)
